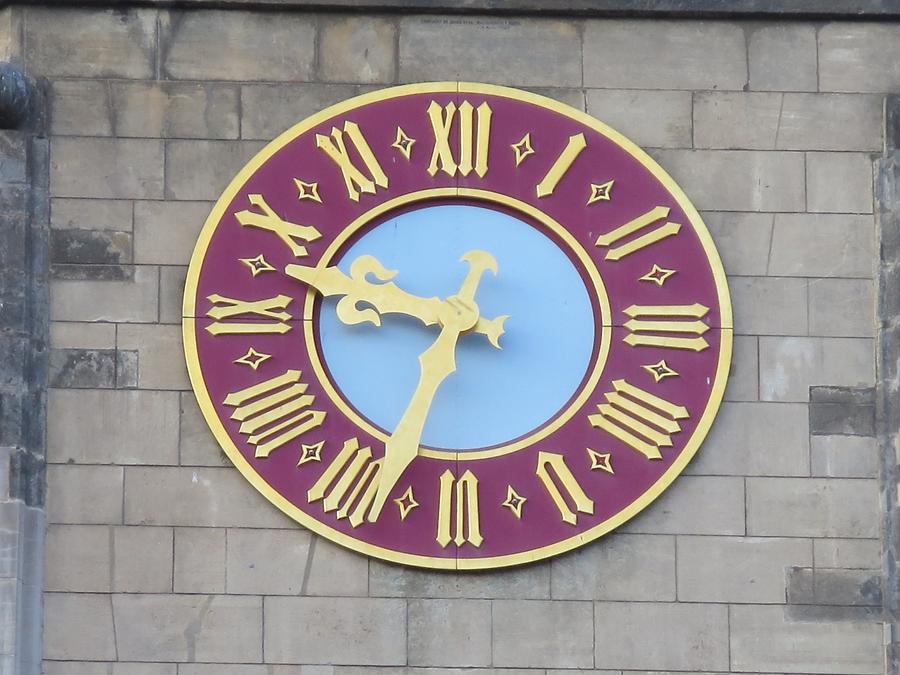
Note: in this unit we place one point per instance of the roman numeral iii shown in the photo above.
(473, 138)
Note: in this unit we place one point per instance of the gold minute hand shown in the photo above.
(459, 313)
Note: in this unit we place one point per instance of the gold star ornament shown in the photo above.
(657, 275)
(257, 265)
(601, 192)
(253, 358)
(660, 371)
(307, 190)
(600, 460)
(514, 501)
(406, 503)
(523, 148)
(404, 144)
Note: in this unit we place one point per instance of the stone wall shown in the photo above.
(766, 557)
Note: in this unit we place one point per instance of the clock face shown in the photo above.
(456, 325)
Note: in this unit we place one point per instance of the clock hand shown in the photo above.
(386, 298)
(458, 313)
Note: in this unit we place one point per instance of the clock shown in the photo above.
(456, 325)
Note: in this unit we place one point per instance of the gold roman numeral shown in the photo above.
(640, 223)
(566, 158)
(268, 308)
(639, 419)
(576, 495)
(349, 483)
(274, 412)
(442, 124)
(355, 180)
(266, 219)
(672, 321)
(466, 523)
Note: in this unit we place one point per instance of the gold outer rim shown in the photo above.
(589, 383)
(206, 406)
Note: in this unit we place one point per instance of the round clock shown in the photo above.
(457, 325)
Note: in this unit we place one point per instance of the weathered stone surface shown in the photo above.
(655, 119)
(84, 494)
(844, 457)
(91, 214)
(165, 232)
(78, 559)
(335, 570)
(200, 170)
(695, 505)
(99, 43)
(83, 368)
(771, 47)
(128, 168)
(199, 565)
(155, 345)
(75, 335)
(125, 301)
(769, 305)
(788, 366)
(839, 182)
(143, 559)
(528, 581)
(113, 427)
(743, 378)
(742, 239)
(188, 628)
(267, 109)
(199, 497)
(266, 562)
(733, 180)
(762, 639)
(756, 439)
(535, 53)
(847, 553)
(651, 55)
(449, 632)
(737, 120)
(635, 567)
(85, 247)
(842, 307)
(838, 587)
(237, 46)
(844, 417)
(171, 293)
(94, 638)
(693, 636)
(357, 49)
(737, 569)
(812, 507)
(367, 631)
(823, 245)
(859, 57)
(555, 634)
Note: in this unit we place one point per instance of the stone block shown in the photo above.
(165, 233)
(84, 494)
(143, 559)
(684, 636)
(542, 634)
(362, 631)
(81, 108)
(13, 156)
(199, 565)
(247, 669)
(859, 57)
(171, 293)
(200, 497)
(813, 507)
(110, 168)
(737, 569)
(267, 109)
(449, 632)
(96, 43)
(91, 214)
(788, 366)
(78, 559)
(844, 457)
(734, 120)
(756, 439)
(695, 505)
(738, 180)
(769, 305)
(83, 368)
(525, 582)
(664, 55)
(200, 170)
(839, 182)
(743, 378)
(238, 46)
(175, 110)
(11, 22)
(75, 668)
(160, 362)
(763, 639)
(198, 446)
(842, 307)
(335, 570)
(743, 240)
(842, 411)
(78, 626)
(357, 49)
(847, 553)
(835, 587)
(90, 247)
(570, 96)
(266, 562)
(188, 628)
(771, 47)
(112, 427)
(124, 301)
(831, 122)
(635, 567)
(76, 335)
(530, 53)
(823, 245)
(654, 119)
(144, 669)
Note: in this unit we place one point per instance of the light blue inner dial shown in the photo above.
(495, 395)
